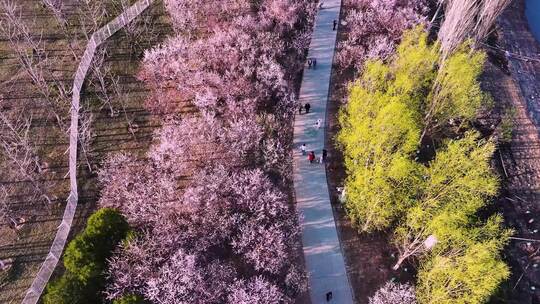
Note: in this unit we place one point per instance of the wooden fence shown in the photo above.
(40, 281)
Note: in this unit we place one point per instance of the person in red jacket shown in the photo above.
(311, 157)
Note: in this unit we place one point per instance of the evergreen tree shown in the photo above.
(130, 299)
(85, 260)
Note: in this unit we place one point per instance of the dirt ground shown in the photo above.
(518, 201)
(29, 245)
(516, 86)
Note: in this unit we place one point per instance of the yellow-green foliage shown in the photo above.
(383, 122)
(379, 134)
(466, 275)
(457, 94)
(389, 108)
(465, 265)
(414, 68)
(458, 182)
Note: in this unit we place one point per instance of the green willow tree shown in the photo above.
(467, 275)
(379, 135)
(390, 108)
(432, 206)
(456, 96)
(458, 182)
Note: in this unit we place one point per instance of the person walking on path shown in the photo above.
(303, 149)
(324, 155)
(335, 25)
(307, 106)
(320, 240)
(319, 123)
(328, 296)
(311, 157)
(300, 107)
(309, 63)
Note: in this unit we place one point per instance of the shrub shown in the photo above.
(68, 289)
(394, 293)
(87, 254)
(85, 260)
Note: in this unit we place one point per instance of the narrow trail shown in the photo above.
(45, 271)
(322, 249)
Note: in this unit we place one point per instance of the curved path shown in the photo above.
(322, 251)
(45, 271)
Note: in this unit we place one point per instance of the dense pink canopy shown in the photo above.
(375, 27)
(208, 201)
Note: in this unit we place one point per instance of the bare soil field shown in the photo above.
(36, 74)
(519, 168)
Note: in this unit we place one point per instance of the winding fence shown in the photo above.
(40, 281)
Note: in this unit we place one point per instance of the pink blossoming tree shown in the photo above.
(375, 27)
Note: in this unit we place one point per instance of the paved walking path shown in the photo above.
(322, 251)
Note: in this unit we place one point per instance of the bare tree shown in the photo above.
(18, 151)
(102, 80)
(86, 136)
(56, 8)
(94, 11)
(491, 9)
(109, 88)
(468, 19)
(6, 213)
(33, 58)
(136, 31)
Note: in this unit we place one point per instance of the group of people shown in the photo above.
(306, 107)
(312, 62)
(311, 155)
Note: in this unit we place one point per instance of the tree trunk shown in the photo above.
(399, 262)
